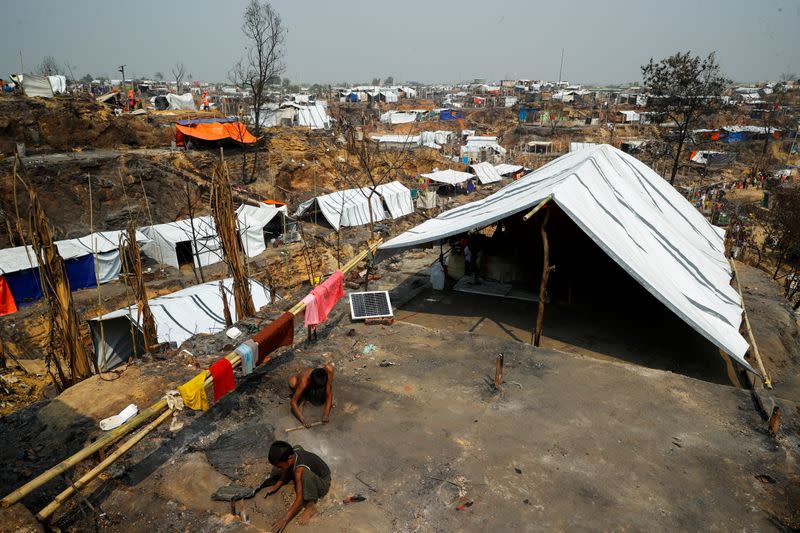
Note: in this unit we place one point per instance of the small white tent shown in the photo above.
(252, 220)
(486, 172)
(182, 241)
(181, 102)
(178, 316)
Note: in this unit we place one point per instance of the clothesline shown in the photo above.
(161, 405)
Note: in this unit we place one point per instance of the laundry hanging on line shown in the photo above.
(279, 333)
(222, 374)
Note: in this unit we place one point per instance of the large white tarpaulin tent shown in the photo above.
(351, 207)
(251, 222)
(637, 219)
(179, 315)
(486, 172)
(449, 176)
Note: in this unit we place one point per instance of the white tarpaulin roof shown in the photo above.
(397, 198)
(350, 207)
(486, 172)
(178, 316)
(181, 102)
(504, 169)
(398, 117)
(200, 232)
(449, 176)
(313, 116)
(575, 146)
(636, 218)
(251, 221)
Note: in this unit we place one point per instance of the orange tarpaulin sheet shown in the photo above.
(215, 131)
(7, 303)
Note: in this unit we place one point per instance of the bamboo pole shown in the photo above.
(82, 454)
(144, 415)
(764, 376)
(94, 472)
(540, 205)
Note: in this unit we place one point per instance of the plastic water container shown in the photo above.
(437, 276)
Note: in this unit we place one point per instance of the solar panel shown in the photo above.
(373, 304)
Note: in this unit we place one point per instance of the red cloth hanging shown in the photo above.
(327, 294)
(222, 373)
(279, 333)
(7, 303)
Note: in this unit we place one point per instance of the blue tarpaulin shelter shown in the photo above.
(449, 114)
(80, 272)
(25, 286)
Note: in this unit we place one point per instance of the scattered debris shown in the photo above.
(354, 499)
(385, 363)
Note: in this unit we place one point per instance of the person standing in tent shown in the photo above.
(315, 386)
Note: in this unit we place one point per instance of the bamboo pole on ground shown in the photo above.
(144, 415)
(546, 268)
(756, 355)
(94, 472)
(110, 438)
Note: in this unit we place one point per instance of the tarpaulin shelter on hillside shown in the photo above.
(486, 172)
(214, 131)
(358, 207)
(180, 102)
(87, 260)
(117, 336)
(253, 224)
(620, 217)
(506, 169)
(41, 86)
(183, 242)
(448, 177)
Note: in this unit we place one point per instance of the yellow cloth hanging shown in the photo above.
(193, 392)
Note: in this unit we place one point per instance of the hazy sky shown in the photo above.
(412, 40)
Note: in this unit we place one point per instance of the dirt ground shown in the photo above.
(637, 448)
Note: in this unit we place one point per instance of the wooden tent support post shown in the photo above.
(536, 336)
(754, 347)
(94, 472)
(498, 372)
(116, 434)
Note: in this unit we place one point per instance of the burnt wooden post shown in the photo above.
(498, 372)
(536, 335)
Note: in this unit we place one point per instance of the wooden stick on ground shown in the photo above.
(498, 372)
(297, 428)
(756, 355)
